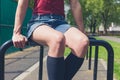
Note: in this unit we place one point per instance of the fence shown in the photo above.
(93, 42)
(4, 48)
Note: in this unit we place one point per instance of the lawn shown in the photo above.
(102, 50)
(118, 36)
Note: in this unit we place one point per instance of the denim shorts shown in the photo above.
(56, 22)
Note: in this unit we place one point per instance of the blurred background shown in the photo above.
(101, 18)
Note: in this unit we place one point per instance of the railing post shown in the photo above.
(95, 63)
(110, 61)
(3, 49)
(1, 66)
(41, 62)
(90, 53)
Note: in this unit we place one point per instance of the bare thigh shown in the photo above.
(43, 34)
(76, 41)
(73, 37)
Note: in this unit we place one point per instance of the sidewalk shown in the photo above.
(24, 66)
(82, 74)
(16, 63)
(112, 38)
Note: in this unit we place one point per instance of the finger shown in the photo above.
(16, 44)
(22, 44)
(25, 39)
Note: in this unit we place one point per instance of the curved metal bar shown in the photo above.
(9, 44)
(5, 46)
(110, 64)
(3, 49)
(90, 37)
(93, 42)
(90, 53)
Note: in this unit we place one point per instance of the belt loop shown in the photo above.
(39, 16)
(51, 16)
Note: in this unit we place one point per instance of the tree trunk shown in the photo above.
(94, 26)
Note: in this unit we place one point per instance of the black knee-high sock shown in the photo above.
(72, 65)
(55, 68)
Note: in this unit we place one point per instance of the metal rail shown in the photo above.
(9, 44)
(90, 53)
(110, 58)
(93, 42)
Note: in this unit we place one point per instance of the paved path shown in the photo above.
(112, 38)
(17, 63)
(82, 74)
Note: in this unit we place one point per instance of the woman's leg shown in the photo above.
(53, 39)
(78, 43)
(56, 43)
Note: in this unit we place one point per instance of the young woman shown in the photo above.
(48, 27)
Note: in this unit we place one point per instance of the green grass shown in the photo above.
(118, 36)
(103, 55)
(67, 51)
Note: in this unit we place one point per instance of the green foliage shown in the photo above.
(108, 13)
(96, 12)
(66, 1)
(31, 3)
(117, 14)
(70, 18)
(94, 6)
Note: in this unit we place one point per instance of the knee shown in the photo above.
(81, 42)
(57, 40)
(84, 42)
(81, 48)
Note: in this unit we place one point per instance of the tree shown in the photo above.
(108, 13)
(116, 13)
(96, 12)
(91, 10)
(102, 11)
(31, 3)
